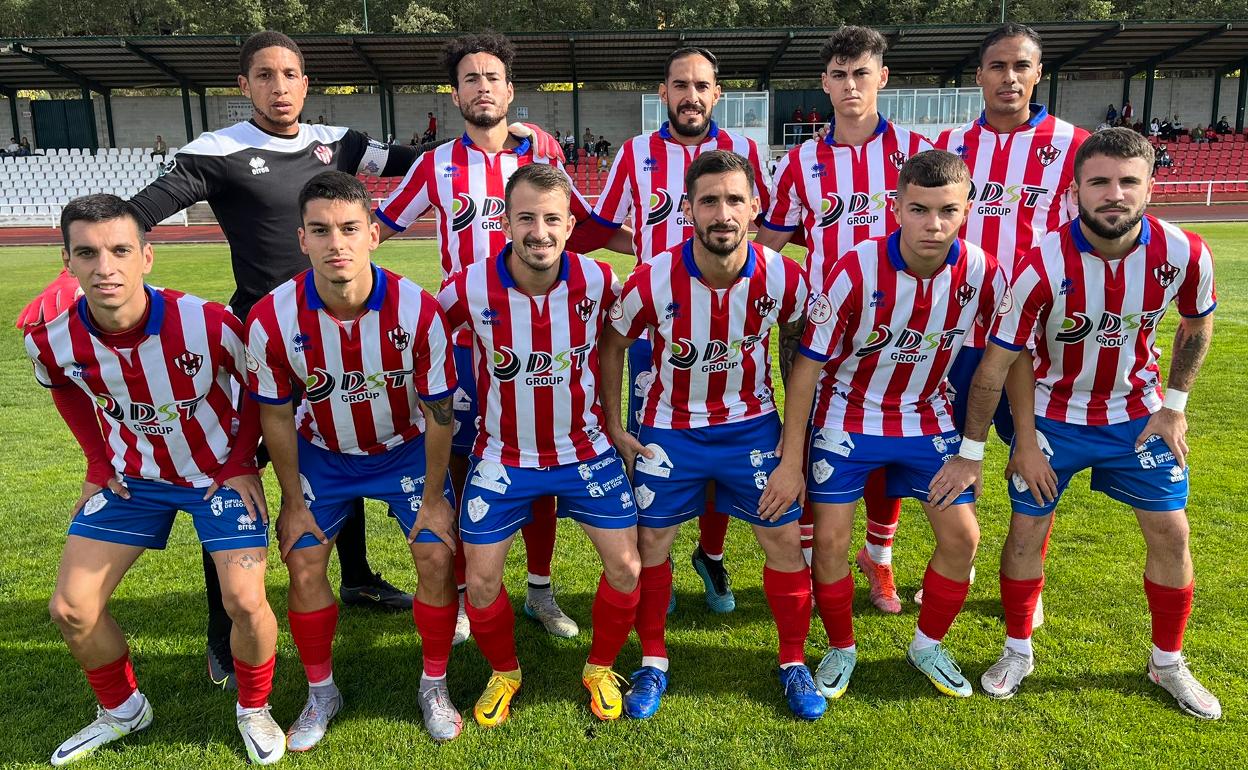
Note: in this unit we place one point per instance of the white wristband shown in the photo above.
(971, 449)
(1175, 399)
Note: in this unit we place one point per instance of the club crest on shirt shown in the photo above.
(964, 294)
(898, 159)
(585, 309)
(1047, 154)
(189, 363)
(323, 154)
(399, 337)
(1165, 274)
(764, 305)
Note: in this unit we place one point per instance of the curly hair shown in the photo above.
(492, 43)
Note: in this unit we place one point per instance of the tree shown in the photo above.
(417, 18)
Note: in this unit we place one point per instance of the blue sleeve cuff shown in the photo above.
(812, 354)
(605, 222)
(389, 222)
(437, 396)
(267, 400)
(778, 228)
(1201, 315)
(1004, 344)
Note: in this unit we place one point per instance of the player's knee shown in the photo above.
(244, 603)
(304, 580)
(960, 544)
(71, 615)
(483, 590)
(832, 542)
(1026, 536)
(623, 572)
(1167, 535)
(435, 560)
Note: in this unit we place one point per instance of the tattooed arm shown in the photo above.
(436, 513)
(1191, 343)
(790, 339)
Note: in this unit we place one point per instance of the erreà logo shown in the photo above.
(1047, 154)
(258, 166)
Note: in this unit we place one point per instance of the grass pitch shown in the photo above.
(1087, 705)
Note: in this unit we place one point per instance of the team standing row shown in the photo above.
(463, 412)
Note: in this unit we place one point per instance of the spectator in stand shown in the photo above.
(1163, 157)
(1224, 127)
(431, 129)
(813, 119)
(1104, 126)
(12, 147)
(1154, 127)
(1138, 128)
(1197, 134)
(320, 120)
(1167, 130)
(798, 115)
(1211, 134)
(588, 142)
(1111, 115)
(415, 140)
(1127, 111)
(1177, 123)
(751, 118)
(603, 150)
(24, 147)
(570, 151)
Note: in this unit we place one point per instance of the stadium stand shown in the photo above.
(1204, 172)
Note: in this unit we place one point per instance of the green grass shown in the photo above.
(1087, 705)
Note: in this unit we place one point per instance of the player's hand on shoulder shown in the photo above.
(50, 302)
(544, 145)
(437, 516)
(1029, 470)
(955, 476)
(1171, 426)
(294, 520)
(91, 489)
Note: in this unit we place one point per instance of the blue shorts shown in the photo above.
(840, 463)
(639, 368)
(147, 517)
(960, 376)
(498, 499)
(738, 457)
(1150, 480)
(333, 481)
(465, 402)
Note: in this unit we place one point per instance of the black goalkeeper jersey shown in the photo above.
(252, 179)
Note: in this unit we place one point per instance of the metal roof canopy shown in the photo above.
(944, 51)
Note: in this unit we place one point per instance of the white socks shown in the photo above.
(1021, 646)
(130, 708)
(922, 641)
(659, 663)
(880, 554)
(1163, 658)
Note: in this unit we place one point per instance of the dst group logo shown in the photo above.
(541, 369)
(464, 211)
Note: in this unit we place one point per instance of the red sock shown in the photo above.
(1169, 608)
(254, 682)
(539, 537)
(883, 511)
(942, 601)
(313, 633)
(712, 530)
(836, 609)
(788, 593)
(656, 591)
(1018, 599)
(113, 682)
(806, 524)
(614, 613)
(461, 568)
(494, 628)
(436, 626)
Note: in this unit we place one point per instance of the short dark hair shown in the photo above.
(690, 50)
(492, 43)
(850, 42)
(1008, 30)
(101, 207)
(933, 168)
(717, 162)
(334, 186)
(1121, 143)
(266, 39)
(540, 176)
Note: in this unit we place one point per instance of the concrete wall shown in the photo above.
(616, 114)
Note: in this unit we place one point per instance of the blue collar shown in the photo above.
(665, 131)
(519, 149)
(375, 299)
(155, 318)
(899, 262)
(1038, 113)
(691, 264)
(1081, 240)
(504, 274)
(880, 128)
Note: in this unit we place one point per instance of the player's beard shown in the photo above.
(1102, 229)
(530, 262)
(482, 119)
(673, 120)
(278, 121)
(718, 248)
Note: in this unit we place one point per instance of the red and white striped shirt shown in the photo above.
(166, 405)
(889, 337)
(711, 358)
(1020, 181)
(359, 379)
(840, 194)
(536, 359)
(1096, 320)
(648, 180)
(464, 185)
